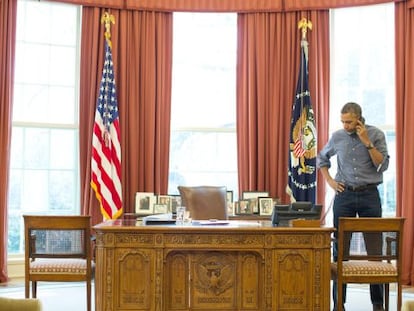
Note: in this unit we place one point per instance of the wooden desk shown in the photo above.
(242, 265)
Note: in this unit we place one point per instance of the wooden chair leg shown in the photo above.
(339, 299)
(34, 289)
(88, 295)
(27, 289)
(399, 296)
(387, 296)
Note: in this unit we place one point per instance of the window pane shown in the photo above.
(44, 176)
(363, 62)
(201, 158)
(363, 66)
(63, 145)
(203, 122)
(204, 70)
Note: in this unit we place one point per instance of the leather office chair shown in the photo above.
(382, 268)
(205, 202)
(57, 249)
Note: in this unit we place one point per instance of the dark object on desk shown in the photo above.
(301, 206)
(158, 220)
(283, 214)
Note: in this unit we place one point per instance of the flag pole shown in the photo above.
(106, 137)
(302, 145)
(303, 25)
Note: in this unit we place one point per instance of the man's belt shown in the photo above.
(361, 188)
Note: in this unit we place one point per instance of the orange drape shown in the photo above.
(268, 62)
(142, 54)
(404, 36)
(225, 5)
(7, 47)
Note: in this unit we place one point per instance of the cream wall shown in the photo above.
(15, 267)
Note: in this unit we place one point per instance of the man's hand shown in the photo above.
(362, 133)
(337, 186)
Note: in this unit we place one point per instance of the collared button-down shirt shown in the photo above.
(355, 166)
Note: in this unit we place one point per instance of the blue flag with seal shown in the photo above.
(303, 136)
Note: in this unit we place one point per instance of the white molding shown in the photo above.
(15, 267)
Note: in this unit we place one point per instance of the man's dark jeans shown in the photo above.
(364, 204)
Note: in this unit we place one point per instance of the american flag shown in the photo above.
(302, 148)
(106, 147)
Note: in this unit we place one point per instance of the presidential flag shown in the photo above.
(302, 146)
(106, 148)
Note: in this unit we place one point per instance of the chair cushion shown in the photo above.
(16, 304)
(58, 266)
(373, 268)
(408, 305)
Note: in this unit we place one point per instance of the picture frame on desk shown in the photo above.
(253, 196)
(265, 206)
(144, 203)
(175, 201)
(230, 204)
(254, 205)
(160, 209)
(243, 207)
(230, 208)
(229, 196)
(165, 200)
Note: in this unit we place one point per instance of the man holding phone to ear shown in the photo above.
(362, 157)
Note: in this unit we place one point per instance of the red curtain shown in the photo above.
(225, 5)
(7, 47)
(268, 62)
(142, 54)
(404, 36)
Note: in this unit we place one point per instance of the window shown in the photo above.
(362, 70)
(203, 148)
(44, 175)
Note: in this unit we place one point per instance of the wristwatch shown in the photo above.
(370, 146)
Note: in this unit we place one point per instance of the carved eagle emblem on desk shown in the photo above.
(214, 277)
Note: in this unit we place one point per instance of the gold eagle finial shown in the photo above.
(304, 24)
(108, 19)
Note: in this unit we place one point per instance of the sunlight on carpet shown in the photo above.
(54, 296)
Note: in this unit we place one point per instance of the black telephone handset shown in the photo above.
(362, 119)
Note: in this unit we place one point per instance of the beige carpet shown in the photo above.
(54, 296)
(72, 296)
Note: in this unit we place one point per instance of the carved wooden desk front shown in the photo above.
(242, 265)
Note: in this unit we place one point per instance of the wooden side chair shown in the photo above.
(57, 249)
(382, 266)
(205, 202)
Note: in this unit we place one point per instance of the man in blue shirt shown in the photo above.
(362, 157)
